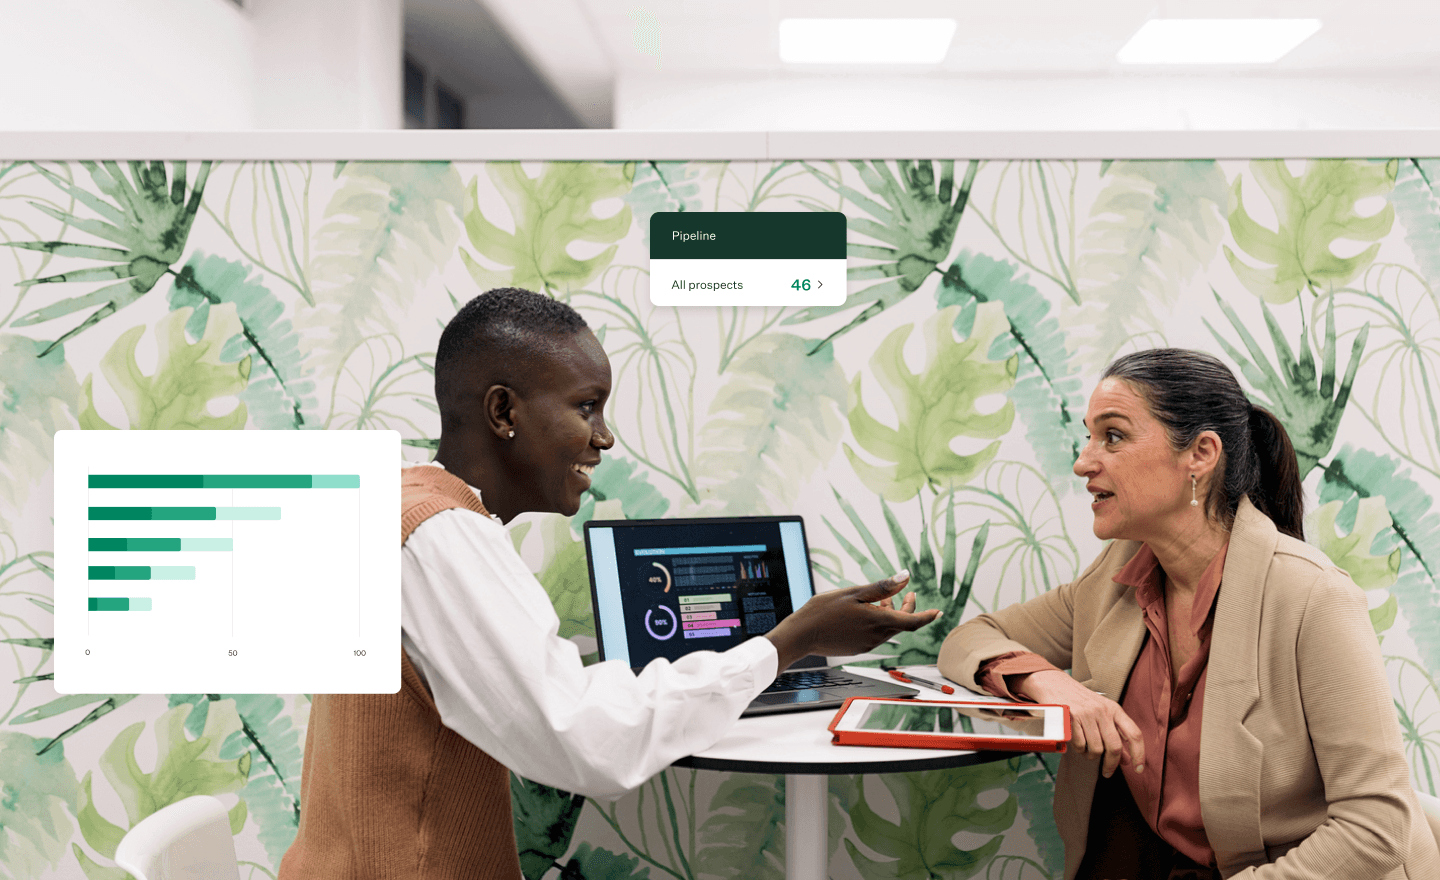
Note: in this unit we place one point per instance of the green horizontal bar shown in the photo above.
(713, 597)
(119, 603)
(146, 481)
(224, 481)
(141, 513)
(135, 544)
(335, 481)
(119, 572)
(119, 513)
(163, 545)
(234, 513)
(184, 513)
(172, 572)
(256, 481)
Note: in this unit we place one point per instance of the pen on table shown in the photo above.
(915, 679)
(939, 686)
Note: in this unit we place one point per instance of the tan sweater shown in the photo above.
(387, 791)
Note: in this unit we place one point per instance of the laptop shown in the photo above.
(666, 587)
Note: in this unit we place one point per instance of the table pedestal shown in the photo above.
(807, 841)
(798, 746)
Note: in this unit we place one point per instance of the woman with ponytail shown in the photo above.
(1288, 761)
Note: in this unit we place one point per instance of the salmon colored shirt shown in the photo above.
(1166, 709)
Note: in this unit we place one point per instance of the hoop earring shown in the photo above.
(1194, 502)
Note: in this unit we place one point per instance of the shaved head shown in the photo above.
(498, 338)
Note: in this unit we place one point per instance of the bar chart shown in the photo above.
(244, 561)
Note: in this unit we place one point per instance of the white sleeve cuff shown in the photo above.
(764, 662)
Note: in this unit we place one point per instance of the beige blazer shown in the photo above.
(1302, 768)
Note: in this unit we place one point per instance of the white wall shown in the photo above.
(1094, 103)
(328, 64)
(200, 65)
(109, 65)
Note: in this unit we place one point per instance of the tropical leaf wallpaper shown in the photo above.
(930, 422)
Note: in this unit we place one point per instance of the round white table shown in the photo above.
(797, 745)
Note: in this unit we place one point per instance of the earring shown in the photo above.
(512, 435)
(1194, 502)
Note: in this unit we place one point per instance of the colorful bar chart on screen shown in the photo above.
(707, 615)
(227, 562)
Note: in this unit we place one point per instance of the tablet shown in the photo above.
(937, 724)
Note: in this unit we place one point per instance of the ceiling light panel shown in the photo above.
(1216, 40)
(845, 41)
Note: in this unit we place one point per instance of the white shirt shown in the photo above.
(483, 633)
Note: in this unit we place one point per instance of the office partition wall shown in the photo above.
(929, 421)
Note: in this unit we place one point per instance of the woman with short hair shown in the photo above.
(416, 785)
(1288, 761)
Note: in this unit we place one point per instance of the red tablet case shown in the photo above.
(909, 740)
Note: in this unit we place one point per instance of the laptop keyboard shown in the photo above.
(810, 679)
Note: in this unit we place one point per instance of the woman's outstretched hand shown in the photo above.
(1099, 728)
(847, 621)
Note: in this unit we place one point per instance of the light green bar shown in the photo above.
(172, 572)
(234, 513)
(709, 597)
(207, 544)
(139, 604)
(335, 481)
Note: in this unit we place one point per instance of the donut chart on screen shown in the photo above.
(669, 581)
(651, 622)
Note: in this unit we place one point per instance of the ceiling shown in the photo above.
(1018, 36)
(578, 48)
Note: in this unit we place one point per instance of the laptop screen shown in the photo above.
(664, 588)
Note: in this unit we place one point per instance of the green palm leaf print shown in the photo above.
(149, 217)
(1314, 210)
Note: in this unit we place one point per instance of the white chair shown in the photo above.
(1431, 805)
(188, 840)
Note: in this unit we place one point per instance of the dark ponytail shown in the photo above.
(1279, 495)
(1190, 392)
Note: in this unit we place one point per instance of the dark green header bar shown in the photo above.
(747, 235)
(224, 481)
